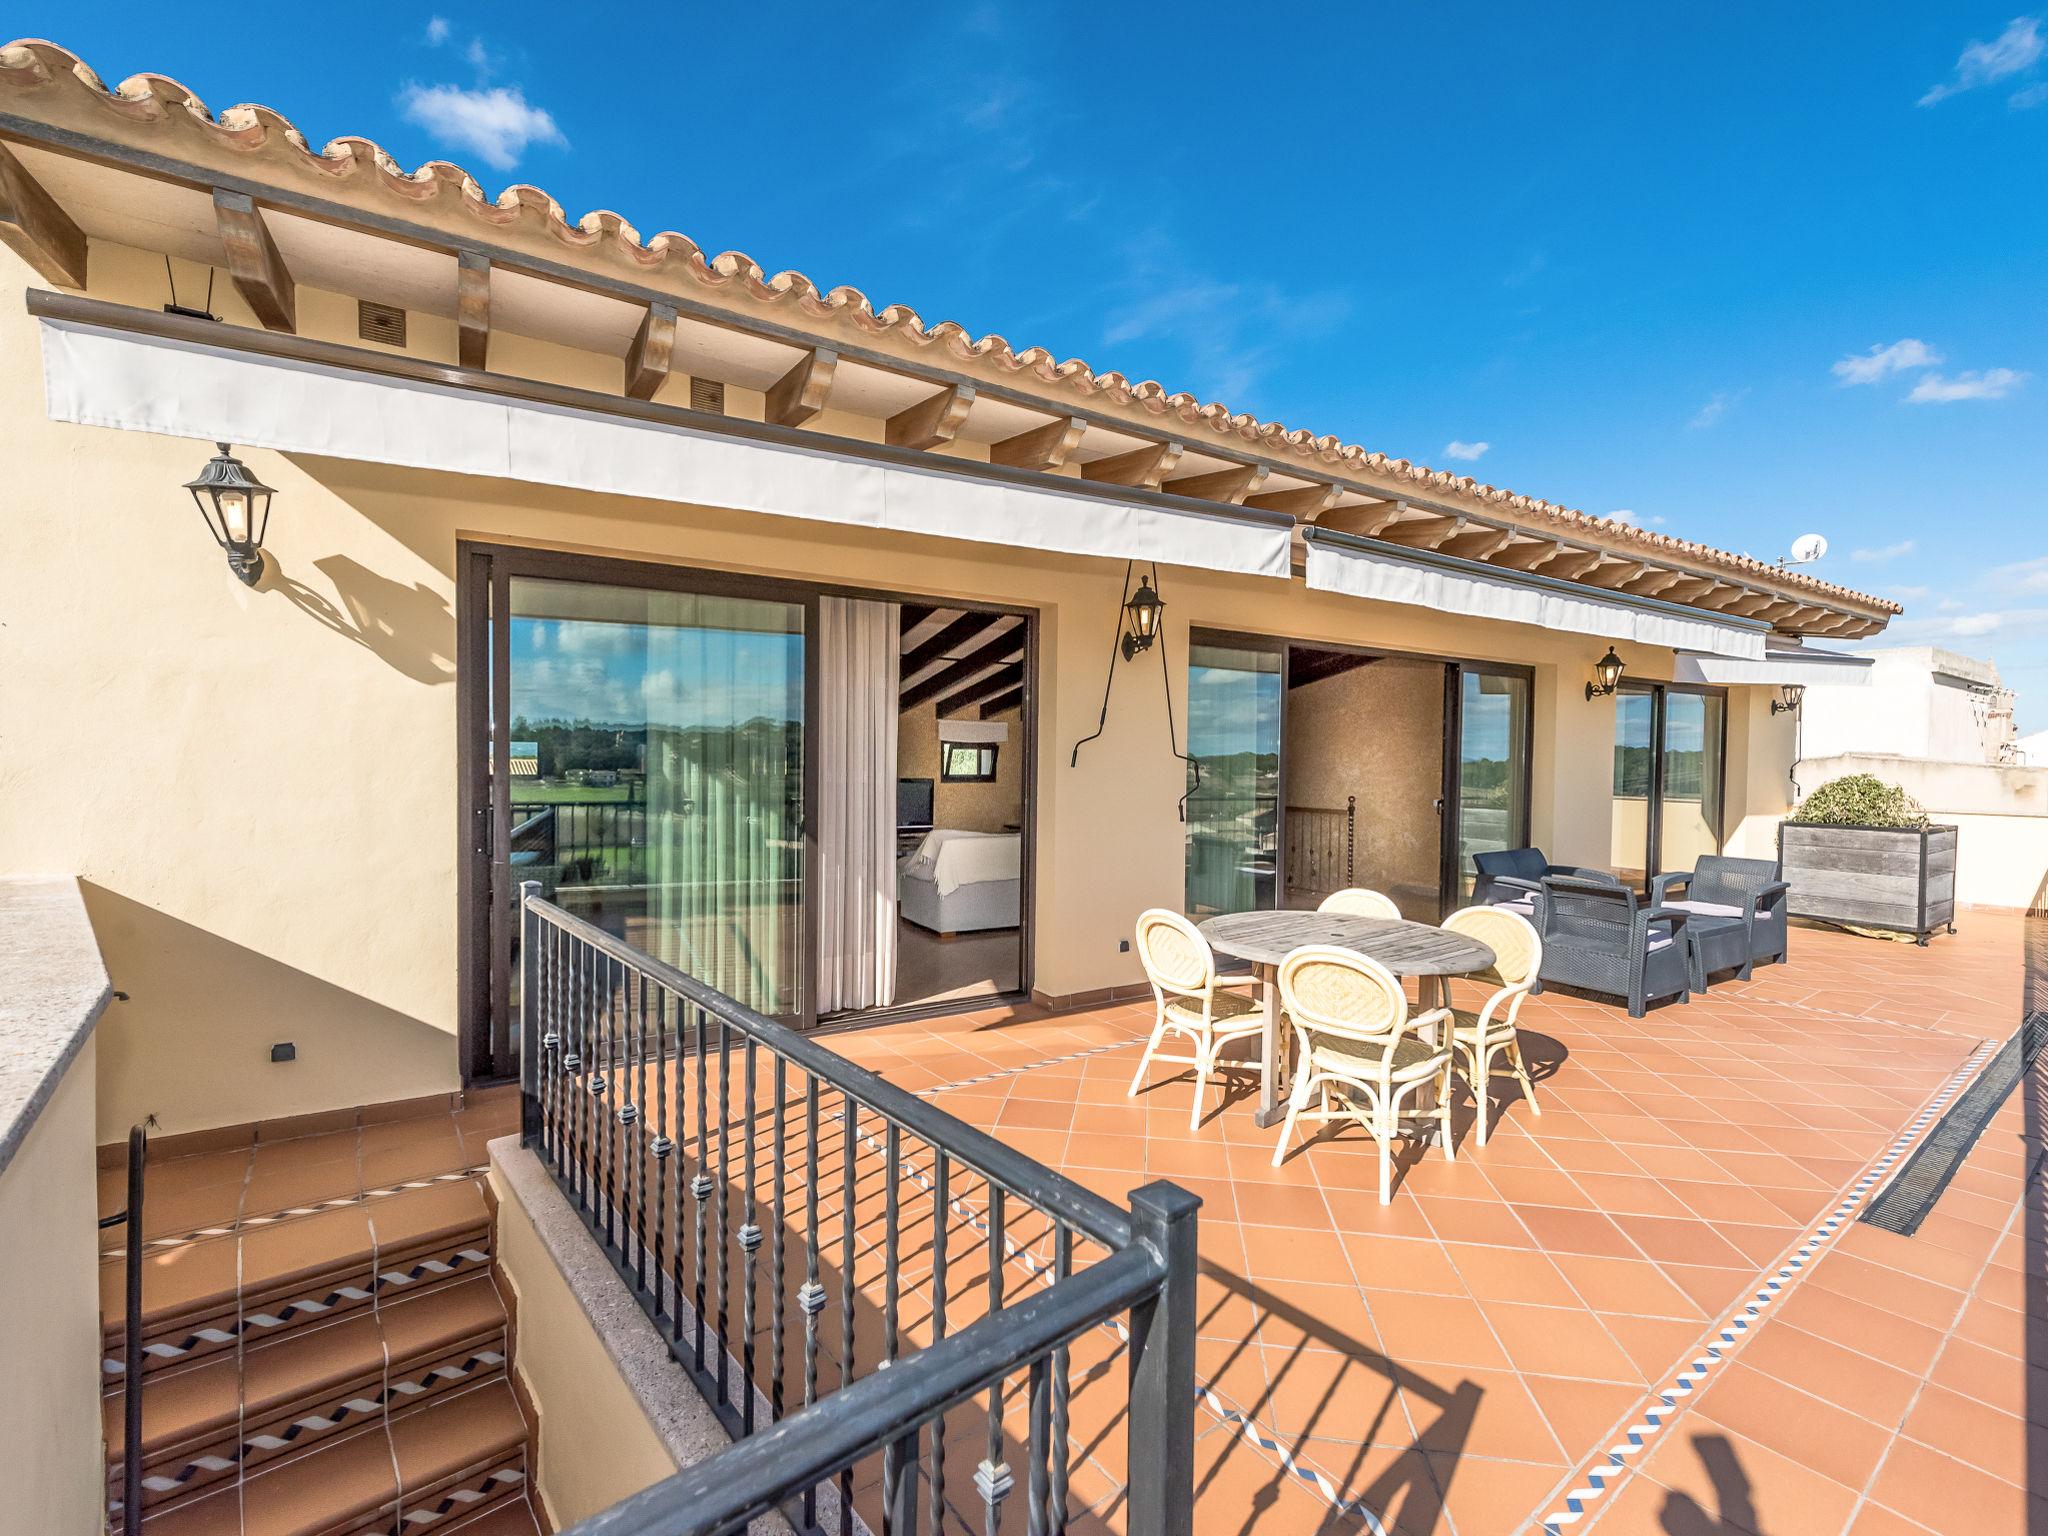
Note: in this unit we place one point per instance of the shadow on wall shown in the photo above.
(188, 1038)
(411, 628)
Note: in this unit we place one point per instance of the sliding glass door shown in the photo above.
(1669, 752)
(640, 753)
(1233, 804)
(1489, 788)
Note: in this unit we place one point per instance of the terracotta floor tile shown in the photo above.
(1682, 1242)
(1996, 1378)
(1945, 1495)
(1990, 1439)
(1920, 1301)
(1560, 1341)
(1656, 1346)
(1502, 1274)
(1447, 1330)
(1631, 1285)
(1744, 1484)
(1812, 1431)
(1404, 1264)
(1476, 1221)
(1584, 1414)
(1828, 1370)
(1557, 1230)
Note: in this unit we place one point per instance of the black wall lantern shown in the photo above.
(1791, 696)
(236, 506)
(1608, 669)
(1142, 615)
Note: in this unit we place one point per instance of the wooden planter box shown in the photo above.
(1899, 879)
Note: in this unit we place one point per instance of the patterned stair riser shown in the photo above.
(463, 1497)
(184, 1341)
(194, 1469)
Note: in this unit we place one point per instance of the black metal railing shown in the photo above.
(1322, 847)
(584, 842)
(131, 1342)
(864, 1287)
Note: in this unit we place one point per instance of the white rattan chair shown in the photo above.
(1359, 902)
(1190, 999)
(1478, 1039)
(1355, 1036)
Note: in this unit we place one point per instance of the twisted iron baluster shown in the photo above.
(775, 1313)
(724, 1206)
(579, 1142)
(941, 1230)
(850, 1124)
(811, 1296)
(661, 1148)
(750, 1241)
(700, 1186)
(992, 1477)
(1039, 1412)
(1062, 1387)
(892, 1459)
(601, 1120)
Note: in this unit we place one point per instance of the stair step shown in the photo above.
(307, 1384)
(455, 1454)
(515, 1518)
(200, 1296)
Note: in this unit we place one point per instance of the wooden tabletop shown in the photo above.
(1406, 949)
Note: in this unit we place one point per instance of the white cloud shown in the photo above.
(1633, 519)
(497, 122)
(2029, 97)
(1884, 552)
(1908, 594)
(1977, 624)
(1723, 401)
(2021, 575)
(1869, 367)
(1961, 624)
(2016, 49)
(1991, 384)
(438, 29)
(1458, 448)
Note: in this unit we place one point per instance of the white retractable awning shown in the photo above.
(1337, 563)
(1779, 665)
(101, 376)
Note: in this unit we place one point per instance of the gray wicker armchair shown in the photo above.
(1743, 901)
(1600, 938)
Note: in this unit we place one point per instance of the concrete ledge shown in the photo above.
(53, 989)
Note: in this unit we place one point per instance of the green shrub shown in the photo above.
(1860, 800)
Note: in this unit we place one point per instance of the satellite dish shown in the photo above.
(1807, 548)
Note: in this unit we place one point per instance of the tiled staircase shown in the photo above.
(326, 1347)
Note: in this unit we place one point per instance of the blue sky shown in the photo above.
(1743, 272)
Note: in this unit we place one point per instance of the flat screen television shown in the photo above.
(913, 805)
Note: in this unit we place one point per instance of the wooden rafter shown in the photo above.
(1483, 545)
(1143, 468)
(948, 639)
(1003, 703)
(947, 679)
(1612, 571)
(473, 309)
(1424, 532)
(1046, 447)
(36, 229)
(255, 266)
(913, 614)
(801, 393)
(994, 685)
(1230, 486)
(1309, 501)
(653, 352)
(1530, 556)
(1575, 564)
(933, 421)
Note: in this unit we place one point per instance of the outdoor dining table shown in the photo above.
(1264, 939)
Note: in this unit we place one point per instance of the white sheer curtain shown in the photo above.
(856, 873)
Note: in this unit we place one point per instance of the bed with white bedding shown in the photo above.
(962, 882)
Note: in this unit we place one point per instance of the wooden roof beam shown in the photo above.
(36, 229)
(933, 421)
(1575, 564)
(1046, 447)
(1654, 583)
(1481, 545)
(949, 638)
(653, 352)
(1229, 486)
(1688, 589)
(1307, 501)
(1143, 469)
(254, 265)
(1530, 556)
(801, 393)
(1612, 571)
(1368, 521)
(1003, 703)
(1424, 532)
(473, 309)
(949, 678)
(996, 684)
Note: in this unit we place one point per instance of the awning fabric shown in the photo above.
(98, 376)
(1807, 668)
(1462, 587)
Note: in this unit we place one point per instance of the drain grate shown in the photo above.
(1904, 1203)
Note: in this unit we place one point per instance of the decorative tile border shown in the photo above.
(460, 1499)
(339, 1202)
(1607, 1471)
(1034, 1066)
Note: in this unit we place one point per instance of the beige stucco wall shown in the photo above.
(50, 1323)
(596, 1442)
(259, 785)
(970, 807)
(1376, 732)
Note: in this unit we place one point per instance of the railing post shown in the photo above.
(529, 1013)
(131, 1344)
(1162, 1409)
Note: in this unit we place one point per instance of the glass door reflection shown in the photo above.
(1635, 780)
(1233, 805)
(1492, 765)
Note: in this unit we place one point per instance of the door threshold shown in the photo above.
(900, 1013)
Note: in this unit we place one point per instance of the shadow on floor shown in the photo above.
(1736, 1514)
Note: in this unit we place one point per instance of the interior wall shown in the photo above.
(965, 807)
(1376, 732)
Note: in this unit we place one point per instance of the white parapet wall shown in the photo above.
(2000, 813)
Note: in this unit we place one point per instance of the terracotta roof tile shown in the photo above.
(161, 104)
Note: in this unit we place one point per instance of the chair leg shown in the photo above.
(1514, 1054)
(1482, 1089)
(1383, 1133)
(1205, 1063)
(1144, 1061)
(1297, 1101)
(1443, 1115)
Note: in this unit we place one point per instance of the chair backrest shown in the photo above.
(1357, 901)
(1587, 912)
(1517, 947)
(1341, 992)
(1730, 882)
(1175, 955)
(1522, 863)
